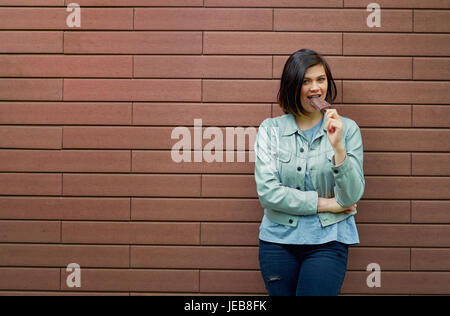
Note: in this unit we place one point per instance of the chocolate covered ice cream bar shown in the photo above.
(319, 104)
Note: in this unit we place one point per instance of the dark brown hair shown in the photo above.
(292, 80)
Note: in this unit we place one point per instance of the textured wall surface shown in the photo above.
(86, 116)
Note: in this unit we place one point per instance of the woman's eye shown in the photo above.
(322, 79)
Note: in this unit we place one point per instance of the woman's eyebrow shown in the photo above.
(316, 78)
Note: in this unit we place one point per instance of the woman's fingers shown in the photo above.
(351, 209)
(332, 113)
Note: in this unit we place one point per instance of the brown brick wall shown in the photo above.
(86, 117)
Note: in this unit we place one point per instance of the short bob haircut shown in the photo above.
(292, 80)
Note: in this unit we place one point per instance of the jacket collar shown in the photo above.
(290, 126)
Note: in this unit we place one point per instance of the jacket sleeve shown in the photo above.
(349, 175)
(271, 192)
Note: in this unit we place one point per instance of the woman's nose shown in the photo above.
(315, 86)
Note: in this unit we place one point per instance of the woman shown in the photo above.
(309, 176)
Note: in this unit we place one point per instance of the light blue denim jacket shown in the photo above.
(280, 170)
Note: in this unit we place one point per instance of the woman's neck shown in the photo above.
(309, 120)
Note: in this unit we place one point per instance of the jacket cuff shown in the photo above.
(342, 168)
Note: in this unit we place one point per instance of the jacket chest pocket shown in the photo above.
(285, 166)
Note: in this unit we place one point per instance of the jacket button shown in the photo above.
(298, 188)
(302, 150)
(336, 171)
(291, 221)
(299, 168)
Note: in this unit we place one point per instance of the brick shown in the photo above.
(229, 234)
(30, 184)
(383, 211)
(267, 43)
(242, 162)
(89, 113)
(106, 19)
(139, 3)
(29, 279)
(388, 258)
(203, 66)
(31, 42)
(407, 187)
(370, 67)
(396, 44)
(430, 212)
(131, 233)
(30, 137)
(240, 90)
(65, 160)
(430, 259)
(431, 21)
(30, 231)
(165, 233)
(228, 186)
(132, 90)
(431, 116)
(174, 257)
(67, 208)
(31, 89)
(387, 164)
(202, 19)
(398, 283)
(98, 90)
(42, 293)
(53, 3)
(392, 235)
(340, 20)
(98, 280)
(412, 4)
(430, 164)
(120, 137)
(431, 68)
(62, 255)
(404, 139)
(272, 3)
(66, 66)
(411, 92)
(218, 281)
(133, 42)
(212, 114)
(377, 115)
(167, 90)
(55, 19)
(134, 280)
(131, 185)
(164, 280)
(191, 209)
(162, 161)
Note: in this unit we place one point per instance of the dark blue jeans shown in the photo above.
(290, 270)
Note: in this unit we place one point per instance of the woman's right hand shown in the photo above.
(332, 206)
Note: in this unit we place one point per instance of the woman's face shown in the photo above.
(314, 83)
